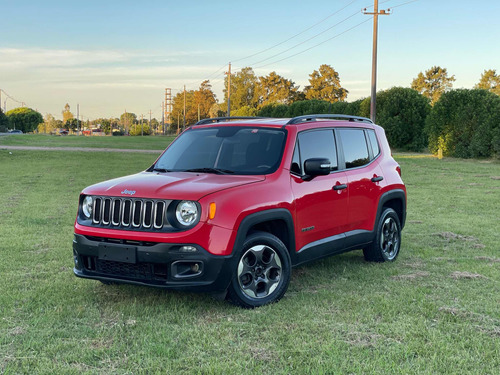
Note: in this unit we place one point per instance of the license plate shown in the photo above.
(126, 254)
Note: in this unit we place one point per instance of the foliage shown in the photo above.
(244, 89)
(204, 99)
(466, 124)
(325, 85)
(276, 89)
(4, 122)
(245, 111)
(490, 81)
(67, 115)
(433, 83)
(72, 124)
(128, 119)
(139, 129)
(49, 124)
(24, 118)
(402, 112)
(217, 110)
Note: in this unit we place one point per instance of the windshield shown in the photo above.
(225, 150)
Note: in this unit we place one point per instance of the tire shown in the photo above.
(387, 242)
(262, 272)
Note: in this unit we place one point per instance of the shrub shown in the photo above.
(138, 129)
(23, 118)
(465, 123)
(402, 113)
(245, 111)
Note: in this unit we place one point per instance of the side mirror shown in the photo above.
(316, 167)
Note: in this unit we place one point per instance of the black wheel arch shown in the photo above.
(277, 221)
(395, 199)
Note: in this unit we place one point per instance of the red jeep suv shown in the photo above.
(234, 203)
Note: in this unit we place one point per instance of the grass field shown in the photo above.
(45, 140)
(435, 310)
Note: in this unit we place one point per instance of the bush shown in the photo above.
(402, 113)
(245, 111)
(140, 129)
(3, 122)
(25, 119)
(465, 123)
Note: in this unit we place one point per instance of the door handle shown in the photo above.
(377, 179)
(340, 187)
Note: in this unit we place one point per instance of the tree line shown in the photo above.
(429, 113)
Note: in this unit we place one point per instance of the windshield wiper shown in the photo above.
(162, 170)
(210, 170)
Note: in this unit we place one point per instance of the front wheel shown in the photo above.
(262, 272)
(387, 242)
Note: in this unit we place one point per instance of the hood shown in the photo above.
(171, 185)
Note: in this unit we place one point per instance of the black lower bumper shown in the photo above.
(161, 265)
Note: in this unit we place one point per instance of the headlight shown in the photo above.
(87, 206)
(186, 213)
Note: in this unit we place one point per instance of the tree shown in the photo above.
(402, 112)
(217, 110)
(71, 124)
(178, 109)
(67, 115)
(490, 81)
(243, 89)
(4, 122)
(466, 124)
(276, 89)
(24, 118)
(433, 83)
(139, 129)
(128, 119)
(204, 99)
(325, 85)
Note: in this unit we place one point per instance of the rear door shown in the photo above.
(363, 177)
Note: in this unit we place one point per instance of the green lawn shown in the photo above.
(141, 143)
(435, 310)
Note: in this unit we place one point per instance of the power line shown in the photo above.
(400, 5)
(307, 40)
(316, 45)
(11, 98)
(296, 35)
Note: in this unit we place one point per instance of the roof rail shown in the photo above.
(225, 119)
(307, 118)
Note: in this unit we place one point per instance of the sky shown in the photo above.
(109, 57)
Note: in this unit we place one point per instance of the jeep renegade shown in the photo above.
(234, 203)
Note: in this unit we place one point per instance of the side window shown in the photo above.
(373, 141)
(318, 144)
(355, 148)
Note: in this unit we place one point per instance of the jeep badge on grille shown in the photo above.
(129, 192)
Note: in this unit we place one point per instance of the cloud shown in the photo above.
(17, 58)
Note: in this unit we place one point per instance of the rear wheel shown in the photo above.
(262, 272)
(387, 242)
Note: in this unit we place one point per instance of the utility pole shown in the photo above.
(168, 108)
(150, 127)
(229, 91)
(184, 121)
(142, 125)
(77, 118)
(163, 117)
(375, 14)
(178, 121)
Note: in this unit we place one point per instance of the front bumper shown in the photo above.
(154, 264)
